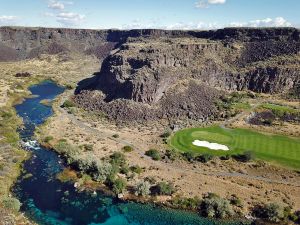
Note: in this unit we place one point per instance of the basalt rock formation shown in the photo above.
(150, 74)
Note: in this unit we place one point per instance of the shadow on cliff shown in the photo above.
(87, 84)
(106, 82)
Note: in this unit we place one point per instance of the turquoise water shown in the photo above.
(47, 201)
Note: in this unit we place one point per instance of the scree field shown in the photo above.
(273, 148)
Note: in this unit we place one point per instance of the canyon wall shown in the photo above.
(149, 74)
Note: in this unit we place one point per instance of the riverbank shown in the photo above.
(65, 199)
(12, 155)
(13, 90)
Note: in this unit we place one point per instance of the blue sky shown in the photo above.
(164, 14)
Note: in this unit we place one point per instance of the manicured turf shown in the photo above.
(277, 149)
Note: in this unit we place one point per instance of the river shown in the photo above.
(47, 201)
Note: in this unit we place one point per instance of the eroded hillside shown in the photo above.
(168, 77)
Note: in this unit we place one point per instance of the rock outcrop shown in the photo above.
(143, 70)
(144, 75)
(150, 74)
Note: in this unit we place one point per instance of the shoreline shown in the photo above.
(154, 200)
(56, 103)
(18, 151)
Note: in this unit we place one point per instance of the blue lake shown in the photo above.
(47, 201)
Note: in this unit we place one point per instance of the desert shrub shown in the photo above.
(271, 212)
(115, 169)
(116, 136)
(188, 156)
(143, 188)
(225, 157)
(186, 203)
(48, 138)
(119, 185)
(23, 74)
(70, 152)
(236, 201)
(68, 104)
(204, 158)
(88, 147)
(127, 148)
(172, 154)
(118, 158)
(245, 157)
(11, 203)
(69, 86)
(154, 154)
(214, 206)
(136, 169)
(151, 180)
(124, 169)
(6, 115)
(85, 164)
(164, 188)
(295, 217)
(165, 134)
(102, 171)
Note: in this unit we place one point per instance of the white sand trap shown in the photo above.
(212, 146)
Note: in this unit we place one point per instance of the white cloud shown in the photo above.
(216, 1)
(48, 14)
(56, 5)
(69, 18)
(200, 25)
(268, 22)
(156, 24)
(207, 3)
(192, 26)
(7, 20)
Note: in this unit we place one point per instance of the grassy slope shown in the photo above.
(274, 148)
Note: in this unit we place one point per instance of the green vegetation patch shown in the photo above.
(273, 148)
(280, 110)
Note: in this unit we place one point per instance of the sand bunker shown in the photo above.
(212, 146)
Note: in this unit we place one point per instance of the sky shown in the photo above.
(160, 14)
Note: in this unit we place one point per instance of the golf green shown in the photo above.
(273, 148)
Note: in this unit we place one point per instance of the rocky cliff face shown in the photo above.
(144, 70)
(20, 42)
(145, 73)
(149, 71)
